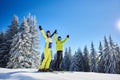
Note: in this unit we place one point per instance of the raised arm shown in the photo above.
(43, 33)
(55, 36)
(52, 35)
(67, 37)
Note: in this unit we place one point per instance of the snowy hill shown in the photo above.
(31, 74)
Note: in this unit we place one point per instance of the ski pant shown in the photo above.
(58, 60)
(47, 59)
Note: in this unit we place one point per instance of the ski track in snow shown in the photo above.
(32, 74)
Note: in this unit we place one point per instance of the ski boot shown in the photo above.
(49, 70)
(42, 70)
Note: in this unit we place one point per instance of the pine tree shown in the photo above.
(22, 54)
(118, 58)
(86, 59)
(73, 66)
(110, 57)
(113, 57)
(62, 66)
(93, 56)
(3, 54)
(31, 21)
(77, 61)
(106, 56)
(12, 30)
(5, 45)
(100, 59)
(67, 59)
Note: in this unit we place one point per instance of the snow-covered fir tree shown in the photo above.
(110, 57)
(12, 30)
(106, 56)
(113, 57)
(77, 61)
(100, 59)
(2, 38)
(31, 21)
(67, 59)
(3, 48)
(93, 58)
(22, 53)
(62, 64)
(86, 59)
(118, 59)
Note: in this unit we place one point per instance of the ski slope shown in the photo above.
(32, 74)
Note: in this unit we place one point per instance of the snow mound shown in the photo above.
(32, 74)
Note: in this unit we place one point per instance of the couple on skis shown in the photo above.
(45, 65)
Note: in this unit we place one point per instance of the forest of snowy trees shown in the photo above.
(20, 43)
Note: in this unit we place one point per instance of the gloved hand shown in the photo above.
(67, 36)
(55, 31)
(40, 27)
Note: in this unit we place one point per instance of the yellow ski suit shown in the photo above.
(47, 52)
(59, 44)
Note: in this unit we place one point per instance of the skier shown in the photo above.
(59, 49)
(44, 67)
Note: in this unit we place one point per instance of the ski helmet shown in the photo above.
(59, 38)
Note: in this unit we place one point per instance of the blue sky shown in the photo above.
(84, 20)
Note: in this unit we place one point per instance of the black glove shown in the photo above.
(67, 36)
(40, 27)
(55, 32)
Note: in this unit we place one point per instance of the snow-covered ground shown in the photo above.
(32, 74)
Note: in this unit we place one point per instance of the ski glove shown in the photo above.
(55, 31)
(40, 27)
(67, 36)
